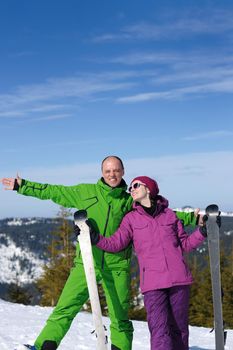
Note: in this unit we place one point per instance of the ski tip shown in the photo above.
(80, 215)
(212, 209)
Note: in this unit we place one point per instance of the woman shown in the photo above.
(159, 241)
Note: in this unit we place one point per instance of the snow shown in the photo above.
(21, 222)
(11, 260)
(21, 324)
(15, 222)
(189, 209)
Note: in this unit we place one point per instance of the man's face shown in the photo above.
(112, 172)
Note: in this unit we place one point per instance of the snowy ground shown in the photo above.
(21, 324)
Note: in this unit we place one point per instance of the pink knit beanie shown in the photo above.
(150, 183)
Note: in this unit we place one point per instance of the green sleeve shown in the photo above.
(67, 196)
(186, 218)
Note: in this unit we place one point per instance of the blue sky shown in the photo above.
(149, 81)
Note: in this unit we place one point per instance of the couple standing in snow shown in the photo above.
(159, 241)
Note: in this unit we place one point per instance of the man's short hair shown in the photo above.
(122, 165)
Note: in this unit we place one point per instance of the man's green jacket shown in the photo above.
(105, 207)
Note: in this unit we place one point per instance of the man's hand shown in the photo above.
(11, 184)
(93, 234)
(198, 216)
(76, 231)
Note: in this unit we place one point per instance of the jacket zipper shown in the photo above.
(104, 234)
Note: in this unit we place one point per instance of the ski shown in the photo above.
(212, 211)
(80, 218)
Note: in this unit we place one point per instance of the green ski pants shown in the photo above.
(116, 285)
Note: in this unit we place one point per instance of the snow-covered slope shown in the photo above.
(23, 248)
(18, 264)
(21, 324)
(189, 209)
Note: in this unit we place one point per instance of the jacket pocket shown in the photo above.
(141, 237)
(170, 234)
(89, 202)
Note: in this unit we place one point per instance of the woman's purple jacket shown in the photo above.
(159, 243)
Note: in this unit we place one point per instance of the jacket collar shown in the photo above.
(162, 203)
(113, 191)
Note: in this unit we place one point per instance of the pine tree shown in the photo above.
(201, 303)
(103, 304)
(227, 287)
(137, 310)
(201, 308)
(61, 253)
(18, 294)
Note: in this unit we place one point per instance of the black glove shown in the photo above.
(95, 236)
(219, 220)
(203, 228)
(76, 231)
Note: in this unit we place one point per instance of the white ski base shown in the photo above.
(88, 262)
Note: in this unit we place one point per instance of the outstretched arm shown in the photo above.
(117, 242)
(11, 183)
(67, 196)
(191, 218)
(192, 241)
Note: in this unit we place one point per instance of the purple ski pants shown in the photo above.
(167, 316)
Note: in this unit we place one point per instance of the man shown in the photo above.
(106, 202)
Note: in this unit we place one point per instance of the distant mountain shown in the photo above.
(188, 209)
(23, 250)
(24, 242)
(226, 234)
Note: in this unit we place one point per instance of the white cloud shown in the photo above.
(29, 100)
(197, 179)
(173, 25)
(47, 118)
(22, 54)
(209, 135)
(224, 86)
(137, 58)
(38, 109)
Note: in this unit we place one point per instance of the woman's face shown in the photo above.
(138, 191)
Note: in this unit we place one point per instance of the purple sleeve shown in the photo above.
(119, 240)
(189, 242)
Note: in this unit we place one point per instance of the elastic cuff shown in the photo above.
(197, 219)
(16, 185)
(95, 239)
(203, 230)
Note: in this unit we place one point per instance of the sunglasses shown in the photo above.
(135, 186)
